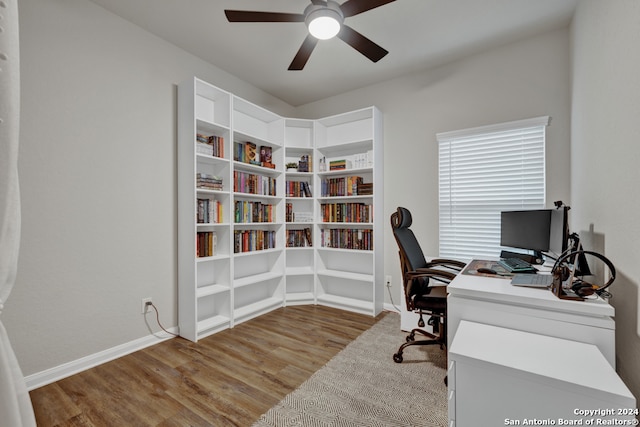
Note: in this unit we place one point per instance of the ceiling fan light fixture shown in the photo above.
(324, 27)
(324, 22)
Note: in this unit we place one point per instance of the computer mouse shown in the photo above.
(486, 271)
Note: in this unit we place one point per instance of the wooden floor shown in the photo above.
(227, 379)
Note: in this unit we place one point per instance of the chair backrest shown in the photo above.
(410, 249)
(411, 255)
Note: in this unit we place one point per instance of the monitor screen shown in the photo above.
(559, 233)
(528, 229)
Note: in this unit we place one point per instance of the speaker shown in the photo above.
(561, 272)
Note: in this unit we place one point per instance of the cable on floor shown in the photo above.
(158, 320)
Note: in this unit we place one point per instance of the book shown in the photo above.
(304, 164)
(250, 153)
(208, 182)
(266, 156)
(337, 165)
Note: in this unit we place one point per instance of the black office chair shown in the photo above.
(422, 295)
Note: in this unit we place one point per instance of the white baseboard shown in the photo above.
(67, 369)
(389, 307)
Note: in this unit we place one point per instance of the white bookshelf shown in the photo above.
(300, 264)
(205, 286)
(233, 284)
(258, 282)
(350, 274)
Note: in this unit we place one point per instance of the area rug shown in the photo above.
(363, 386)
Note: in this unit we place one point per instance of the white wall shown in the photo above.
(526, 79)
(605, 154)
(98, 180)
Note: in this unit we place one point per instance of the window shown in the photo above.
(484, 171)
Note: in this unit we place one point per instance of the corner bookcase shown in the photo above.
(255, 235)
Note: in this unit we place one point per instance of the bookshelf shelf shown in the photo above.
(212, 224)
(261, 170)
(212, 258)
(257, 308)
(346, 275)
(236, 195)
(213, 289)
(212, 325)
(256, 278)
(239, 195)
(352, 304)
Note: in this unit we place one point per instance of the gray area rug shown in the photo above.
(363, 386)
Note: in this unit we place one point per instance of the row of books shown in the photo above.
(346, 212)
(299, 238)
(244, 182)
(336, 165)
(297, 189)
(206, 242)
(344, 238)
(247, 152)
(357, 161)
(249, 211)
(364, 188)
(209, 211)
(211, 145)
(208, 181)
(343, 186)
(253, 240)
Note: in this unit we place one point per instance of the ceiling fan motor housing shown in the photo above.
(331, 11)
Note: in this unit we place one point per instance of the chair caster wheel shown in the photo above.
(397, 358)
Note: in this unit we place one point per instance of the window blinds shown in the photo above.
(483, 171)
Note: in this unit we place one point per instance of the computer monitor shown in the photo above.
(559, 232)
(526, 229)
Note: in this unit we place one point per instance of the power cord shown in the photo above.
(391, 298)
(158, 319)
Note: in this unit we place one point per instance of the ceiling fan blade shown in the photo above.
(361, 43)
(354, 7)
(253, 16)
(304, 53)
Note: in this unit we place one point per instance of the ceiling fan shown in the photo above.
(325, 19)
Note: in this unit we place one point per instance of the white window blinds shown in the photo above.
(483, 171)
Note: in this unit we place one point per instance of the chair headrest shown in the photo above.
(404, 218)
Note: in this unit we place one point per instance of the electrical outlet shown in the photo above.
(388, 281)
(144, 305)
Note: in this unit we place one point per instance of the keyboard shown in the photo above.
(534, 280)
(517, 265)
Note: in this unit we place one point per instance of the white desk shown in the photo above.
(500, 376)
(494, 301)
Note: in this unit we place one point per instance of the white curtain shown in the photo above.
(15, 405)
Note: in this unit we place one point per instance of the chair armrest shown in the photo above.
(448, 263)
(432, 273)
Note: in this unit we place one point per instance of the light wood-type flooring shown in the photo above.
(227, 379)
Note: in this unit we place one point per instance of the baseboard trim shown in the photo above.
(65, 370)
(390, 307)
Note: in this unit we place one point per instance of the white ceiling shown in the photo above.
(417, 33)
